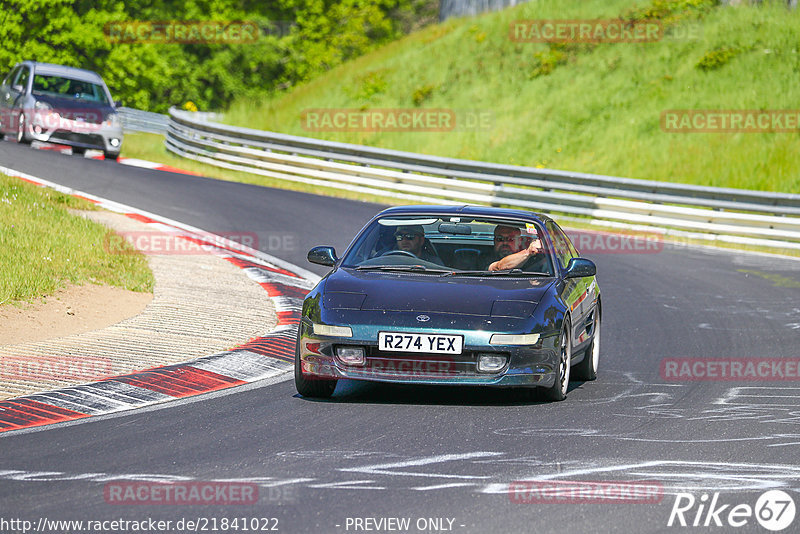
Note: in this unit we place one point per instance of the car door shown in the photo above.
(7, 100)
(18, 92)
(574, 291)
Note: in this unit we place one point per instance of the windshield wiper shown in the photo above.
(504, 272)
(402, 268)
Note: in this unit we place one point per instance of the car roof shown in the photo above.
(63, 70)
(476, 211)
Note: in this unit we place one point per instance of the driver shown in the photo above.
(509, 251)
(411, 239)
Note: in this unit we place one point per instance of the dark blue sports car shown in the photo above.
(457, 295)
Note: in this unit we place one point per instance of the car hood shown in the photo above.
(384, 291)
(71, 108)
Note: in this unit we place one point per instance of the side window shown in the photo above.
(563, 248)
(574, 251)
(22, 79)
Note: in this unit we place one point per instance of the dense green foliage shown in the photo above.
(298, 40)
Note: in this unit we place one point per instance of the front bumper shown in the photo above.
(52, 128)
(534, 365)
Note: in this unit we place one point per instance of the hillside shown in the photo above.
(577, 106)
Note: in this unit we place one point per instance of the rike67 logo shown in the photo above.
(774, 510)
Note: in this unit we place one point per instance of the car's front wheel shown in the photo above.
(21, 137)
(587, 369)
(311, 387)
(558, 391)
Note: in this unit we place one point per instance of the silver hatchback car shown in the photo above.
(58, 104)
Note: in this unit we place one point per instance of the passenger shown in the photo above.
(509, 251)
(412, 239)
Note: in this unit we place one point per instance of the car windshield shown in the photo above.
(60, 86)
(455, 246)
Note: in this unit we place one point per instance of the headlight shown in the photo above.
(112, 120)
(514, 339)
(332, 331)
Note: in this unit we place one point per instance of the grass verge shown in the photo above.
(585, 107)
(43, 246)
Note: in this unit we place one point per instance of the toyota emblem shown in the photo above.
(423, 318)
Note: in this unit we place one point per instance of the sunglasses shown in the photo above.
(400, 237)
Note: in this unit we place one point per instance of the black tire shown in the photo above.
(587, 369)
(78, 151)
(21, 137)
(558, 391)
(112, 156)
(311, 387)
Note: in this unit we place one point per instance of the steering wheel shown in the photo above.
(399, 253)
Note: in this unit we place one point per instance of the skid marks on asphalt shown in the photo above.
(771, 407)
(483, 472)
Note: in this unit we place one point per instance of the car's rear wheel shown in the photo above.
(311, 387)
(587, 369)
(21, 137)
(558, 391)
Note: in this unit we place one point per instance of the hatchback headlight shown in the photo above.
(112, 120)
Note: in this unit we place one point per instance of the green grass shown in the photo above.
(43, 246)
(588, 108)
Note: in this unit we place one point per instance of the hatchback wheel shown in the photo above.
(21, 137)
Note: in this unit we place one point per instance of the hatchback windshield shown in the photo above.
(455, 245)
(68, 88)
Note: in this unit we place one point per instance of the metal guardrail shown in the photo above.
(136, 120)
(720, 214)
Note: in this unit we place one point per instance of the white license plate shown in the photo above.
(431, 343)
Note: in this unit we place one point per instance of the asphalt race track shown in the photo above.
(443, 458)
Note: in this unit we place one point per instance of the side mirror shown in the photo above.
(580, 267)
(17, 88)
(322, 256)
(117, 103)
